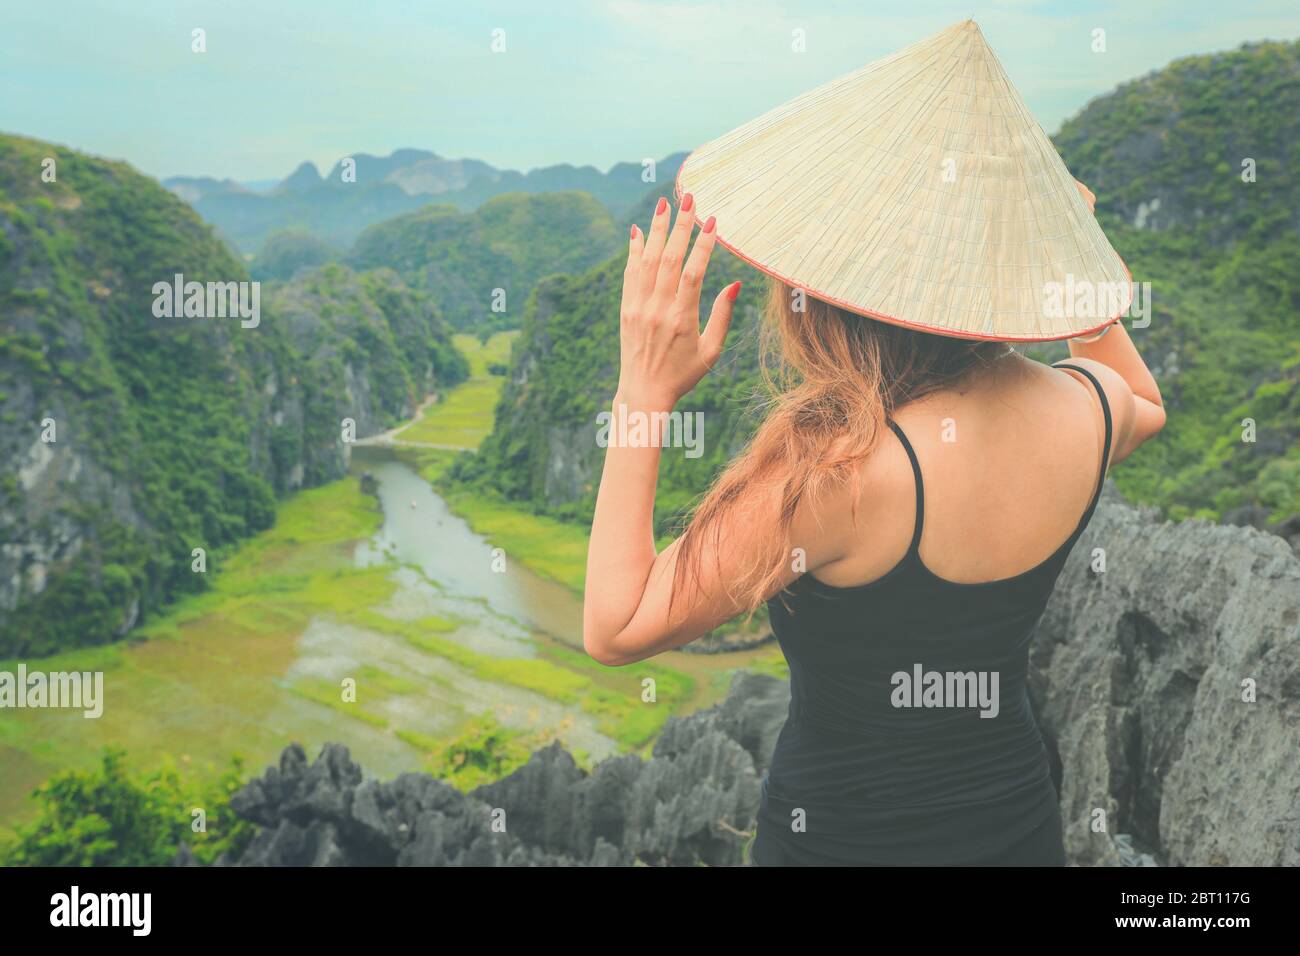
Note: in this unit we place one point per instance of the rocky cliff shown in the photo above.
(128, 438)
(683, 806)
(1203, 144)
(544, 450)
(1167, 686)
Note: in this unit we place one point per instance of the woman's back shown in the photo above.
(1010, 463)
(910, 737)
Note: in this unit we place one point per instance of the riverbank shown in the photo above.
(554, 549)
(207, 678)
(354, 624)
(459, 421)
(311, 633)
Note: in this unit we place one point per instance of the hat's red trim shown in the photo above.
(893, 320)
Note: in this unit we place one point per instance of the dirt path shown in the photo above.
(389, 438)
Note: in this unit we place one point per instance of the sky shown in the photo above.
(579, 81)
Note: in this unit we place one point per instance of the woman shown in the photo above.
(904, 510)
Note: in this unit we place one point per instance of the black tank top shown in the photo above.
(885, 758)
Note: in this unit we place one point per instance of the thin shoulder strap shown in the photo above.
(1105, 451)
(920, 488)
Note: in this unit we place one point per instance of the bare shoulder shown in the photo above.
(882, 481)
(1119, 396)
(866, 520)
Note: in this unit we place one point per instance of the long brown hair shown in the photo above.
(833, 379)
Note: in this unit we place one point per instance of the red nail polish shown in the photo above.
(687, 202)
(735, 291)
(633, 230)
(708, 225)
(663, 204)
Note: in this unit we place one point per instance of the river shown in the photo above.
(213, 688)
(419, 529)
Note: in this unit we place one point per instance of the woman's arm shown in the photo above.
(1115, 351)
(663, 355)
(1120, 361)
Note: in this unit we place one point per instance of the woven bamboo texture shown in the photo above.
(918, 190)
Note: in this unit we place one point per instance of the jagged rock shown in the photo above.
(681, 803)
(688, 804)
(324, 790)
(541, 800)
(316, 844)
(752, 715)
(1137, 676)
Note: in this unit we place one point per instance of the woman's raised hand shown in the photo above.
(662, 351)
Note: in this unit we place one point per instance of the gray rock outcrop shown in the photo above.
(691, 803)
(1169, 687)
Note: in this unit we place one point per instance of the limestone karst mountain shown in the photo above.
(127, 439)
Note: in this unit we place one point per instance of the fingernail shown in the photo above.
(735, 291)
(709, 224)
(633, 230)
(687, 202)
(663, 204)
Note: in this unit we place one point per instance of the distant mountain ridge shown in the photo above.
(336, 211)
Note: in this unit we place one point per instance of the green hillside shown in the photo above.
(1168, 149)
(1223, 259)
(508, 243)
(288, 252)
(543, 451)
(170, 434)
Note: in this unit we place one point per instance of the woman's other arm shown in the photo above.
(1115, 351)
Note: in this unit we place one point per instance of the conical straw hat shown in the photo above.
(918, 191)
